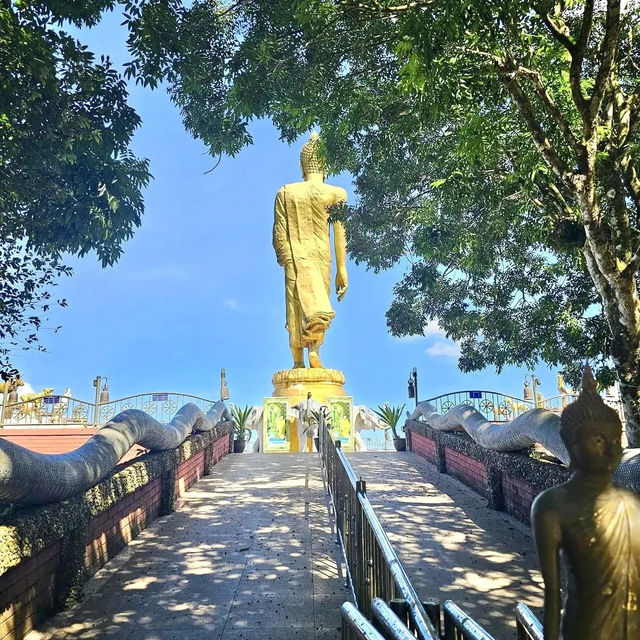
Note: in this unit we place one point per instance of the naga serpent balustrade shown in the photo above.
(37, 478)
(535, 426)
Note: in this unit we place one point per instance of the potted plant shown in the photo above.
(241, 433)
(391, 416)
(322, 414)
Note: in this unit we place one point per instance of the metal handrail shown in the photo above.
(460, 626)
(388, 622)
(373, 567)
(528, 627)
(355, 625)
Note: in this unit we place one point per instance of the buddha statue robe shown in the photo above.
(601, 546)
(301, 243)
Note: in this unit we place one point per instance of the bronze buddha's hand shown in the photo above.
(342, 283)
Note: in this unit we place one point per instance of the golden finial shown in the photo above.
(310, 160)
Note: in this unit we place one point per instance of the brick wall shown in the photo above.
(189, 472)
(57, 439)
(468, 470)
(37, 584)
(27, 592)
(48, 439)
(424, 446)
(509, 480)
(115, 528)
(518, 496)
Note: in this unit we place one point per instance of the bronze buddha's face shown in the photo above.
(597, 449)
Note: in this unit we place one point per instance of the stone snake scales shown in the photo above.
(534, 426)
(38, 478)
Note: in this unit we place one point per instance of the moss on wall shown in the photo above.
(539, 474)
(25, 531)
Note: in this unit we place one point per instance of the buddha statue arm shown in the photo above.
(340, 247)
(280, 230)
(547, 534)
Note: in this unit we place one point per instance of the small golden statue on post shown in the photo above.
(301, 243)
(596, 525)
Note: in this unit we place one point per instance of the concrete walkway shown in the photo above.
(249, 556)
(450, 543)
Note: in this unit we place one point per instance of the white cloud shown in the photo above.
(25, 388)
(443, 348)
(231, 303)
(433, 330)
(430, 330)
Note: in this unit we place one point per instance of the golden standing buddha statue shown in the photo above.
(596, 525)
(302, 246)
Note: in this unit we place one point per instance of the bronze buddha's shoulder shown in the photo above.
(550, 501)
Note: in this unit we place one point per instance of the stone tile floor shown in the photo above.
(450, 543)
(249, 556)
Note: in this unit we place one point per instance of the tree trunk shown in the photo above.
(630, 392)
(625, 353)
(621, 306)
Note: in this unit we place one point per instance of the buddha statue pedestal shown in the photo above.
(295, 384)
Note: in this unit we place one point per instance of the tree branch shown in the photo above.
(577, 58)
(559, 30)
(540, 139)
(607, 57)
(377, 7)
(631, 179)
(601, 282)
(537, 83)
(541, 91)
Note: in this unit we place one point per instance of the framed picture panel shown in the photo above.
(341, 417)
(276, 435)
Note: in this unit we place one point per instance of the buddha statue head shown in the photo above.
(310, 159)
(591, 430)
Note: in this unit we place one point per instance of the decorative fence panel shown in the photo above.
(493, 405)
(161, 405)
(51, 409)
(65, 410)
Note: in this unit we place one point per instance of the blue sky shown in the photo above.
(198, 287)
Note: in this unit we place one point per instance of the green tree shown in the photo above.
(69, 182)
(494, 147)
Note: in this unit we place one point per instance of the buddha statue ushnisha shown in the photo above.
(301, 242)
(596, 526)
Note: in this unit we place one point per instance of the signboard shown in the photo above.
(159, 397)
(475, 394)
(51, 399)
(276, 425)
(341, 420)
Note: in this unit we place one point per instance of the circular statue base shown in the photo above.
(296, 383)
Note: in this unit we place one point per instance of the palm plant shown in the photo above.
(322, 414)
(314, 417)
(240, 416)
(390, 415)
